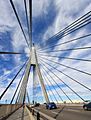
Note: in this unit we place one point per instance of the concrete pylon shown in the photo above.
(33, 61)
(24, 82)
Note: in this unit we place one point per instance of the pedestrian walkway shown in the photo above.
(21, 114)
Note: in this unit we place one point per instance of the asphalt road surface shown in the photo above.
(66, 112)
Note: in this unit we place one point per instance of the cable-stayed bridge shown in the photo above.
(58, 81)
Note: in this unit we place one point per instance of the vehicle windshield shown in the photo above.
(87, 102)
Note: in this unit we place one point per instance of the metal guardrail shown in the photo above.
(39, 115)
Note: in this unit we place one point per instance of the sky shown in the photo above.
(48, 18)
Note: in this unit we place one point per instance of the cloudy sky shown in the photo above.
(48, 18)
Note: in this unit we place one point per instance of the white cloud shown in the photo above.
(65, 11)
(8, 22)
(40, 7)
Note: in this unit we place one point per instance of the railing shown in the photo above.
(39, 115)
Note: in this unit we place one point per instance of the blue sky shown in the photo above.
(49, 17)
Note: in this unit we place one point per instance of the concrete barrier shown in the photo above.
(6, 109)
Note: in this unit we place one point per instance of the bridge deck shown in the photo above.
(64, 112)
(70, 112)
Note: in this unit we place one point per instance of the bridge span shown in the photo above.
(29, 112)
(59, 69)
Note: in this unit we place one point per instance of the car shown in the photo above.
(36, 104)
(51, 105)
(87, 106)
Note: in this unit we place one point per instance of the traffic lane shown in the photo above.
(52, 113)
(66, 112)
(45, 111)
(59, 108)
(72, 114)
(76, 112)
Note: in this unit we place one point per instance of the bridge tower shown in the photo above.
(32, 62)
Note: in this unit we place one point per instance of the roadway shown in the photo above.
(64, 112)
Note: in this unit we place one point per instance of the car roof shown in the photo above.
(51, 103)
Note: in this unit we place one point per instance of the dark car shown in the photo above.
(51, 105)
(37, 104)
(87, 106)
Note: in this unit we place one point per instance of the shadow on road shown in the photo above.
(59, 112)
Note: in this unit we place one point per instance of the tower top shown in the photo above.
(33, 60)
